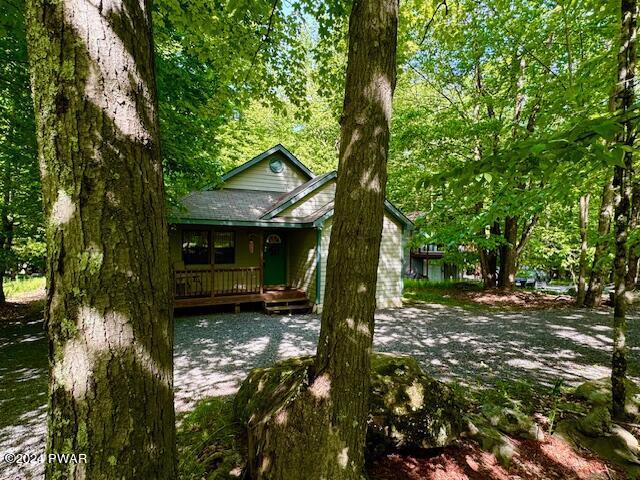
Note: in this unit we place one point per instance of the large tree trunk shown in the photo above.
(7, 231)
(318, 432)
(583, 220)
(593, 297)
(508, 257)
(109, 304)
(347, 326)
(634, 242)
(622, 181)
(489, 261)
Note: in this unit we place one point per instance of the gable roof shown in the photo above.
(240, 207)
(279, 148)
(299, 193)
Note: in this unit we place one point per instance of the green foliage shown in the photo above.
(501, 111)
(442, 293)
(313, 140)
(23, 285)
(208, 442)
(20, 201)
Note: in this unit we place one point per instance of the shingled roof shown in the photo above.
(226, 204)
(240, 207)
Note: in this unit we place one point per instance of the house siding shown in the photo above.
(311, 203)
(260, 177)
(302, 261)
(389, 283)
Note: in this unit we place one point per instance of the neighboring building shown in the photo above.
(262, 235)
(426, 262)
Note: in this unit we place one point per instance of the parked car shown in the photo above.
(530, 278)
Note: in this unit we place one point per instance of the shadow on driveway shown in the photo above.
(214, 352)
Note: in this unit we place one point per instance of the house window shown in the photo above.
(276, 165)
(195, 247)
(224, 248)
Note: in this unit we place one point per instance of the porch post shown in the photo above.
(212, 252)
(261, 263)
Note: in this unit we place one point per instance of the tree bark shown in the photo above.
(490, 265)
(347, 326)
(583, 220)
(507, 275)
(109, 303)
(634, 242)
(622, 181)
(593, 297)
(6, 234)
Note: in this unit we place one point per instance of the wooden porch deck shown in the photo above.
(267, 297)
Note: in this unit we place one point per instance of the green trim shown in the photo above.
(320, 221)
(318, 264)
(395, 212)
(389, 208)
(239, 223)
(287, 202)
(279, 148)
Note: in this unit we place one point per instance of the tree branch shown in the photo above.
(264, 39)
(526, 234)
(435, 12)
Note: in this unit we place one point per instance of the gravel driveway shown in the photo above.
(214, 352)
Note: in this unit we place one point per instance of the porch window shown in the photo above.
(224, 248)
(195, 247)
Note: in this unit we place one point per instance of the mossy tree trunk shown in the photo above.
(347, 326)
(634, 242)
(599, 266)
(109, 306)
(622, 181)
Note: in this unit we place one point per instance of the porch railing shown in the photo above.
(209, 282)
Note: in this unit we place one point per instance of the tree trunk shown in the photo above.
(507, 276)
(634, 242)
(622, 181)
(489, 261)
(347, 326)
(109, 303)
(593, 297)
(6, 234)
(583, 220)
(6, 244)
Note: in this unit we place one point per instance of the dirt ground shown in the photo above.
(517, 299)
(551, 459)
(213, 353)
(26, 307)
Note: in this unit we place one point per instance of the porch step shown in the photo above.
(288, 305)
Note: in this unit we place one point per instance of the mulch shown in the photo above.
(551, 459)
(518, 299)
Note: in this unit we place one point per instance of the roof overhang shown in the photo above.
(293, 199)
(241, 223)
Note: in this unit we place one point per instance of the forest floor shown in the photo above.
(522, 352)
(550, 459)
(472, 295)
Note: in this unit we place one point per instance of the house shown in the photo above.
(426, 262)
(262, 235)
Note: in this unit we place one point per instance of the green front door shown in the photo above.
(275, 259)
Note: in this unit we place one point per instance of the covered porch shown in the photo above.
(218, 265)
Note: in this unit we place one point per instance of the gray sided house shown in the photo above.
(262, 235)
